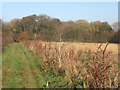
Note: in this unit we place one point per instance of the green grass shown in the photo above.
(19, 69)
(22, 70)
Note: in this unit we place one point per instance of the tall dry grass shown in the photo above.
(98, 68)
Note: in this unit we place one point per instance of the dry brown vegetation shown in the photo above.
(93, 63)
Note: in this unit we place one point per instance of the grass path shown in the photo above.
(19, 68)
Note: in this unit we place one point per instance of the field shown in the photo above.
(37, 64)
(83, 46)
(78, 46)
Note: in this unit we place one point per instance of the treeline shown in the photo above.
(45, 28)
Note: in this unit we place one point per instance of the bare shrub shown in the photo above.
(102, 71)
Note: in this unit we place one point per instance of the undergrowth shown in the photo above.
(57, 66)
